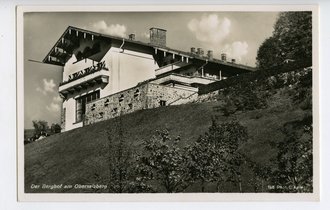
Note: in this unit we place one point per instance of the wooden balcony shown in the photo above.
(99, 78)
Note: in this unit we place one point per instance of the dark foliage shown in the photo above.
(40, 127)
(121, 176)
(261, 174)
(258, 76)
(294, 161)
(162, 164)
(291, 41)
(216, 156)
(55, 128)
(243, 97)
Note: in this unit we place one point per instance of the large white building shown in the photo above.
(92, 63)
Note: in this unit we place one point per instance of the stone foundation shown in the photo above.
(63, 113)
(146, 96)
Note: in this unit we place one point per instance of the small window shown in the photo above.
(106, 103)
(101, 114)
(93, 107)
(121, 98)
(136, 93)
(114, 110)
(130, 106)
(162, 103)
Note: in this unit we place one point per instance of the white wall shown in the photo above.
(126, 70)
(72, 67)
(129, 68)
(70, 115)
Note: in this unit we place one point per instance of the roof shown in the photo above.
(59, 57)
(157, 28)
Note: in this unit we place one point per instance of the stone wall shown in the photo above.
(211, 96)
(63, 115)
(150, 95)
(184, 100)
(146, 96)
(111, 106)
(286, 79)
(252, 76)
(169, 95)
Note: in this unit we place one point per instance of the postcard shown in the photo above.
(168, 103)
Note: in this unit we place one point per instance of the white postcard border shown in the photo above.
(161, 197)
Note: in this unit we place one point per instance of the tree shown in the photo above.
(227, 138)
(122, 176)
(266, 55)
(203, 164)
(119, 160)
(162, 162)
(55, 128)
(216, 157)
(291, 40)
(40, 127)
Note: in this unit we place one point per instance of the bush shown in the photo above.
(243, 97)
(216, 156)
(162, 162)
(229, 107)
(55, 128)
(40, 127)
(294, 161)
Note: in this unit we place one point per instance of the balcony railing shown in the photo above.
(80, 74)
(83, 81)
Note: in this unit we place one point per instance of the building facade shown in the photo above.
(92, 65)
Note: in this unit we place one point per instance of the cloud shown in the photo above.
(210, 29)
(236, 49)
(48, 86)
(53, 107)
(113, 29)
(57, 99)
(146, 35)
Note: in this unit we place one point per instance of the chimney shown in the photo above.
(131, 37)
(210, 54)
(200, 51)
(158, 37)
(233, 60)
(223, 56)
(193, 50)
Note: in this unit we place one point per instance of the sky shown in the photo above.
(239, 34)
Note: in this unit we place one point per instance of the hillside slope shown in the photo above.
(77, 156)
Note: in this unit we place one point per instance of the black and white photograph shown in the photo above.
(197, 102)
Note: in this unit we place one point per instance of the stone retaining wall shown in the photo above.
(146, 96)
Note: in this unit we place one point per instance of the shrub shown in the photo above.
(229, 107)
(40, 127)
(216, 156)
(163, 162)
(294, 161)
(243, 97)
(55, 128)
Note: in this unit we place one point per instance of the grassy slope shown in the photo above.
(75, 156)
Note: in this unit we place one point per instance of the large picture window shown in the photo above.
(81, 104)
